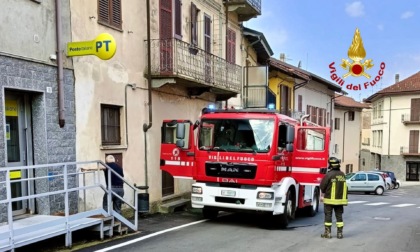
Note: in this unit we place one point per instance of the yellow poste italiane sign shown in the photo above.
(11, 108)
(103, 46)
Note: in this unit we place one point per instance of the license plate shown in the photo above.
(229, 193)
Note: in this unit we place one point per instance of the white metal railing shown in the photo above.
(66, 172)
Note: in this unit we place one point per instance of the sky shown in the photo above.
(318, 33)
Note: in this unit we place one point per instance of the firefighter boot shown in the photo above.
(327, 232)
(340, 233)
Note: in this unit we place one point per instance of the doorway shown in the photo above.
(413, 169)
(18, 136)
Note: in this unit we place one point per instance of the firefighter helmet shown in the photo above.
(334, 162)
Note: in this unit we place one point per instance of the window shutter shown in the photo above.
(194, 10)
(415, 110)
(231, 52)
(299, 103)
(165, 23)
(414, 141)
(103, 11)
(207, 34)
(178, 19)
(116, 14)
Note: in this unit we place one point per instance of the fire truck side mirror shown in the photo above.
(289, 147)
(290, 134)
(180, 131)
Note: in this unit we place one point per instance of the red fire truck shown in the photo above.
(248, 160)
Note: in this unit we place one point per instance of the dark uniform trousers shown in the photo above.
(338, 210)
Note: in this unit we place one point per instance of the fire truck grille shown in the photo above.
(231, 170)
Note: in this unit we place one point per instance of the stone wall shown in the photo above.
(51, 144)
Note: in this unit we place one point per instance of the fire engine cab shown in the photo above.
(248, 160)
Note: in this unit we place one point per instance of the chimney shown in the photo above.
(282, 57)
(397, 78)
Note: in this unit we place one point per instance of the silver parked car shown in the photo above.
(367, 182)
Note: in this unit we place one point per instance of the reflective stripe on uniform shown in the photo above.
(328, 224)
(335, 201)
(340, 224)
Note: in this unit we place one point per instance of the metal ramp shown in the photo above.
(35, 228)
(40, 227)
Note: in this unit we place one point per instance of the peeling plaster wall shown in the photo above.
(104, 82)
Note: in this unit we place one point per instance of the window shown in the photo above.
(178, 19)
(337, 123)
(349, 168)
(359, 177)
(351, 115)
(110, 125)
(328, 118)
(335, 150)
(109, 13)
(380, 109)
(231, 47)
(373, 177)
(380, 136)
(311, 139)
(207, 33)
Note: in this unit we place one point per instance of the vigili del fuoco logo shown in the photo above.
(357, 66)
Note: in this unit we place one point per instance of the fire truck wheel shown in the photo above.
(312, 210)
(210, 213)
(289, 214)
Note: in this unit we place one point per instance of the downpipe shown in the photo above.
(146, 126)
(61, 120)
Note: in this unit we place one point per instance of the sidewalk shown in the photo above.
(409, 183)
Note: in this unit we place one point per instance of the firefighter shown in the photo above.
(334, 195)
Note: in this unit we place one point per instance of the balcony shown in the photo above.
(408, 119)
(175, 61)
(246, 9)
(409, 151)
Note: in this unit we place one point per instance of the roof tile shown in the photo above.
(346, 101)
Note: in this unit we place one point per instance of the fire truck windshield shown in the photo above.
(234, 135)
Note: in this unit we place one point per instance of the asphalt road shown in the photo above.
(390, 222)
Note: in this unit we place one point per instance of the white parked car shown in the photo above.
(367, 182)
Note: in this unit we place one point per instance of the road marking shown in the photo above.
(376, 204)
(356, 202)
(149, 236)
(403, 205)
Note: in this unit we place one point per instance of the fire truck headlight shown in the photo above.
(197, 190)
(265, 195)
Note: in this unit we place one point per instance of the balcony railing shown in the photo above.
(246, 9)
(409, 119)
(178, 59)
(407, 151)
